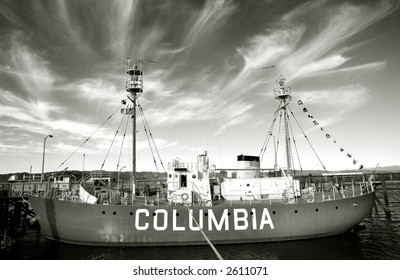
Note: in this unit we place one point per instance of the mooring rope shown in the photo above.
(205, 236)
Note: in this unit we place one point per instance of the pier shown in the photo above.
(14, 212)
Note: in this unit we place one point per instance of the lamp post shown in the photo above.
(44, 149)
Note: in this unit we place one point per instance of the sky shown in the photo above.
(208, 82)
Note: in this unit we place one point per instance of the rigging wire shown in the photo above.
(267, 138)
(123, 141)
(148, 140)
(308, 140)
(84, 142)
(112, 143)
(295, 147)
(151, 136)
(327, 135)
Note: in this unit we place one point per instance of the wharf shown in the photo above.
(14, 209)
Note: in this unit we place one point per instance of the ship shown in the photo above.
(198, 206)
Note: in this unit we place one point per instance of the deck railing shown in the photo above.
(310, 194)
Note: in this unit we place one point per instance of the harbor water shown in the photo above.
(376, 239)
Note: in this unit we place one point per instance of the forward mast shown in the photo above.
(134, 85)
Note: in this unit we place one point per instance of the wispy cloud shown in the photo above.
(362, 68)
(23, 110)
(121, 23)
(28, 68)
(341, 23)
(341, 100)
(98, 90)
(285, 46)
(213, 15)
(70, 28)
(266, 49)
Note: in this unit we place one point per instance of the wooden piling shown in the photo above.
(13, 211)
(385, 196)
(375, 206)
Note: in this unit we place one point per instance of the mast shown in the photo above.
(134, 85)
(283, 94)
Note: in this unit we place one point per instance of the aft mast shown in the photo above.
(134, 85)
(283, 94)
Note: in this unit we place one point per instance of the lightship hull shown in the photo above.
(241, 222)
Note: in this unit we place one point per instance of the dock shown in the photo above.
(14, 212)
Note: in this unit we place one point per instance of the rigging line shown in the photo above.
(307, 139)
(151, 136)
(205, 236)
(279, 131)
(147, 136)
(215, 120)
(123, 141)
(295, 147)
(265, 144)
(264, 148)
(112, 143)
(89, 137)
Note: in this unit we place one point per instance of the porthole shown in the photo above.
(194, 176)
(169, 176)
(131, 213)
(337, 207)
(154, 214)
(273, 212)
(229, 213)
(206, 214)
(251, 213)
(316, 210)
(114, 213)
(248, 185)
(103, 212)
(177, 214)
(295, 211)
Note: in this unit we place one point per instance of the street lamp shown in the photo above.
(44, 149)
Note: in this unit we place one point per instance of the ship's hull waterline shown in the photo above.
(139, 225)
